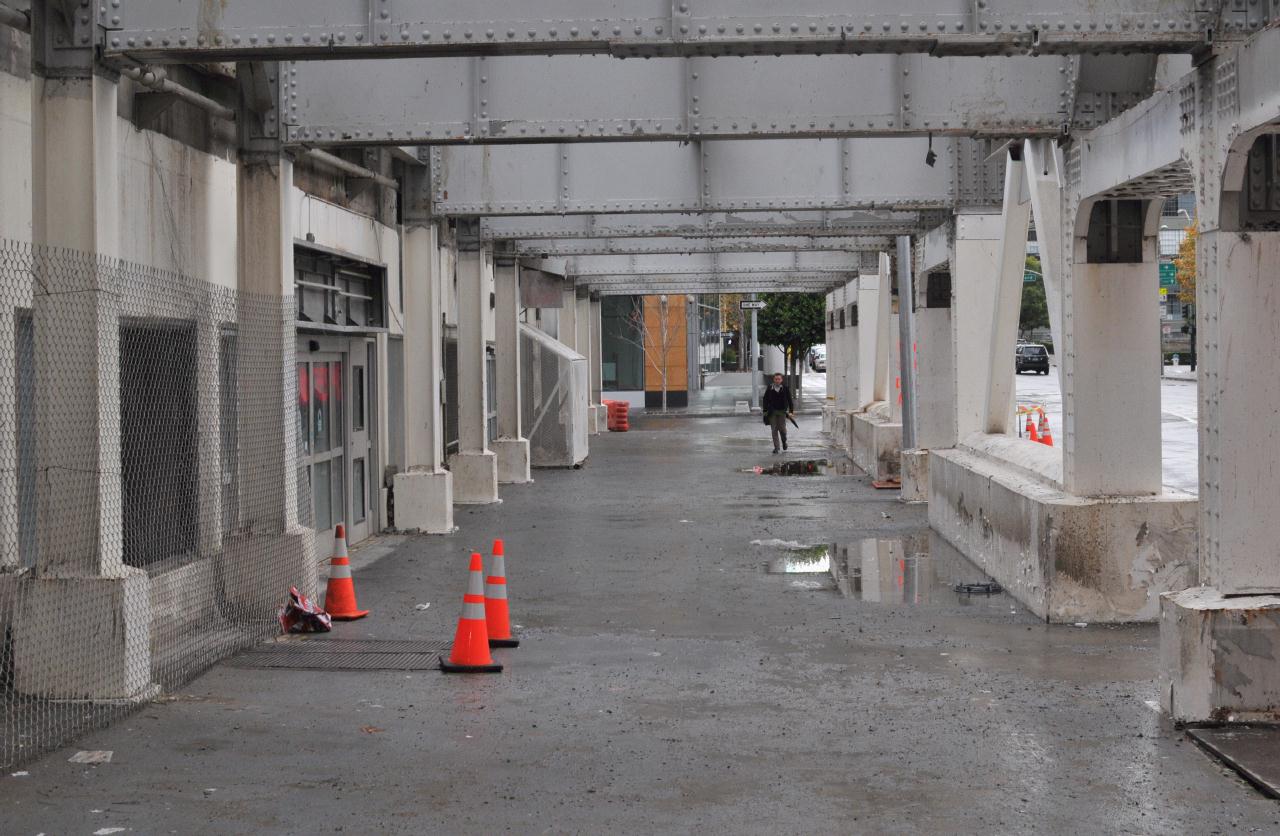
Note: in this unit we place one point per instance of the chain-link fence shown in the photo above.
(152, 517)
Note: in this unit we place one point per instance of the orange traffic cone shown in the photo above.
(471, 643)
(1031, 429)
(1046, 437)
(340, 594)
(496, 615)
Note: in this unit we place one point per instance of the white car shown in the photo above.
(818, 358)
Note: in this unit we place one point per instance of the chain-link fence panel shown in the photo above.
(152, 513)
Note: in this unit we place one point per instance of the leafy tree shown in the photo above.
(1185, 266)
(1035, 307)
(794, 321)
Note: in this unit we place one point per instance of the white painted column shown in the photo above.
(1044, 172)
(1111, 359)
(424, 491)
(1015, 221)
(975, 277)
(511, 447)
(582, 343)
(596, 370)
(850, 384)
(567, 325)
(868, 319)
(475, 467)
(885, 329)
(835, 369)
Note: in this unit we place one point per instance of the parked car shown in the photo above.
(818, 358)
(1031, 357)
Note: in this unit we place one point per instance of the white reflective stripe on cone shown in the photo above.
(339, 570)
(340, 547)
(475, 585)
(473, 612)
(495, 590)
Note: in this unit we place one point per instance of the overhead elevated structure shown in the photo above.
(245, 30)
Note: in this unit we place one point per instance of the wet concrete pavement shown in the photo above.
(668, 683)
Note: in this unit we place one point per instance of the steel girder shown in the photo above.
(712, 176)
(679, 264)
(814, 223)
(563, 247)
(597, 98)
(163, 30)
(717, 283)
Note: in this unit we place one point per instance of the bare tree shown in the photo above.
(654, 343)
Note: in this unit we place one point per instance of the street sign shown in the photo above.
(752, 304)
(1168, 274)
(1029, 278)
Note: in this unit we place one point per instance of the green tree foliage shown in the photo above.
(795, 321)
(1035, 307)
(1185, 266)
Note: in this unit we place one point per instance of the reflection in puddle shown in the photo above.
(916, 570)
(806, 467)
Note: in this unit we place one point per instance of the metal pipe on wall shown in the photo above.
(157, 79)
(347, 167)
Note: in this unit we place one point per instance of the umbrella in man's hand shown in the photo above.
(792, 419)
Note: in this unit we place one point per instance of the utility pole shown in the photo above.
(755, 363)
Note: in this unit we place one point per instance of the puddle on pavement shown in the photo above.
(805, 467)
(916, 570)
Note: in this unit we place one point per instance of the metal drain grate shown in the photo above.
(344, 655)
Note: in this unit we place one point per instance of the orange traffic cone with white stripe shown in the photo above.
(1046, 435)
(1032, 435)
(340, 595)
(470, 652)
(496, 614)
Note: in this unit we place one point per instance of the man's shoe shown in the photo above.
(775, 451)
(784, 444)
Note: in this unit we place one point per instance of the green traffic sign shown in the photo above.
(1168, 274)
(1029, 278)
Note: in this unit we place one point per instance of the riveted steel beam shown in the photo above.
(562, 247)
(598, 98)
(678, 264)
(254, 30)
(714, 176)
(813, 223)
(717, 283)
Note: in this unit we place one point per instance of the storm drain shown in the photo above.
(344, 655)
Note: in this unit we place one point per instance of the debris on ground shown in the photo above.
(422, 607)
(91, 756)
(983, 588)
(299, 615)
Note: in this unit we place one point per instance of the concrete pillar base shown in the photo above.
(102, 653)
(827, 412)
(875, 442)
(1067, 558)
(915, 476)
(838, 426)
(424, 501)
(513, 460)
(475, 478)
(1218, 657)
(596, 418)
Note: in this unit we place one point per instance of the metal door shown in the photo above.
(321, 425)
(359, 460)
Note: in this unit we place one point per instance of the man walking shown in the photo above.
(777, 407)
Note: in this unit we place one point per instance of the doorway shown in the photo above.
(336, 453)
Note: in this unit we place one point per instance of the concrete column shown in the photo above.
(511, 447)
(595, 370)
(835, 383)
(1219, 641)
(1111, 369)
(868, 318)
(1044, 172)
(975, 276)
(1015, 220)
(850, 385)
(424, 491)
(475, 467)
(81, 628)
(582, 343)
(884, 330)
(567, 325)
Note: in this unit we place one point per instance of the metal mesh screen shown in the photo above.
(554, 400)
(152, 517)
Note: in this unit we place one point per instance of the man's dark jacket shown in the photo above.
(779, 401)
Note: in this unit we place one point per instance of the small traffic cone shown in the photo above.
(340, 594)
(1032, 435)
(1046, 436)
(496, 615)
(470, 652)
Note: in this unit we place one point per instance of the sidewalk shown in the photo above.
(667, 682)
